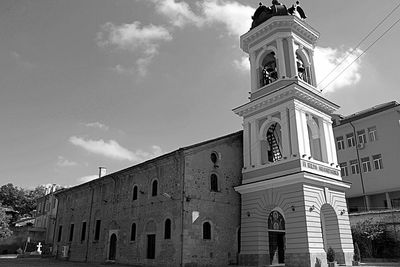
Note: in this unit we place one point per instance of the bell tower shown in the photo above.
(293, 201)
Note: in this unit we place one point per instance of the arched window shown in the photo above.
(269, 72)
(271, 144)
(133, 232)
(206, 230)
(167, 229)
(214, 182)
(303, 66)
(154, 188)
(135, 193)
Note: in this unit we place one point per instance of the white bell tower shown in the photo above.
(293, 202)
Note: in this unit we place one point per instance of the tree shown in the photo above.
(21, 200)
(4, 227)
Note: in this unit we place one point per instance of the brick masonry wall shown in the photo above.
(221, 209)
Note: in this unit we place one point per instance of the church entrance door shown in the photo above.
(113, 247)
(276, 234)
(151, 246)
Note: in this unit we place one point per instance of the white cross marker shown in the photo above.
(39, 246)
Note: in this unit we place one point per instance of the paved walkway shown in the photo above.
(11, 261)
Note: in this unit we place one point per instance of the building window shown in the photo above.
(154, 188)
(97, 230)
(59, 233)
(343, 169)
(133, 232)
(167, 229)
(71, 232)
(354, 167)
(214, 182)
(83, 232)
(207, 230)
(268, 73)
(372, 134)
(135, 193)
(377, 161)
(395, 203)
(350, 140)
(340, 143)
(366, 164)
(214, 157)
(362, 138)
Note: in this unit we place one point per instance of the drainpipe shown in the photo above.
(359, 167)
(88, 228)
(181, 162)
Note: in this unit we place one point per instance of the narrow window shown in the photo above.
(354, 167)
(372, 134)
(134, 193)
(366, 164)
(97, 230)
(59, 233)
(133, 232)
(71, 232)
(268, 71)
(350, 140)
(340, 143)
(343, 169)
(167, 229)
(214, 157)
(154, 188)
(377, 161)
(207, 230)
(83, 233)
(362, 138)
(214, 182)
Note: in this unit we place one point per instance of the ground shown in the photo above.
(39, 262)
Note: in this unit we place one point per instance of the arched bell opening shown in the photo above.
(314, 138)
(277, 240)
(303, 66)
(112, 248)
(269, 71)
(271, 144)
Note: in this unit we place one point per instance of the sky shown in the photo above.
(89, 83)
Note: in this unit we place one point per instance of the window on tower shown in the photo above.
(271, 146)
(303, 66)
(269, 73)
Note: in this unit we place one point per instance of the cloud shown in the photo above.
(123, 70)
(243, 64)
(178, 13)
(22, 62)
(143, 40)
(112, 149)
(98, 125)
(63, 162)
(234, 16)
(327, 58)
(87, 178)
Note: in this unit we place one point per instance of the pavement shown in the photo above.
(12, 260)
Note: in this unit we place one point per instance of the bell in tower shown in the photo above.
(291, 188)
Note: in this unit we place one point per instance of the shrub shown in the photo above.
(330, 255)
(356, 256)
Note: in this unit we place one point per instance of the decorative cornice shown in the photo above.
(279, 22)
(291, 91)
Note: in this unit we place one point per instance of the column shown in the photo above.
(255, 144)
(253, 70)
(281, 58)
(246, 144)
(292, 57)
(293, 132)
(312, 69)
(332, 143)
(285, 133)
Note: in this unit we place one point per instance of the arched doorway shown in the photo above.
(330, 231)
(276, 234)
(113, 247)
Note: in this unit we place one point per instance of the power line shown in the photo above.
(380, 37)
(358, 45)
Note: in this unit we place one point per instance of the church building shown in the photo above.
(270, 195)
